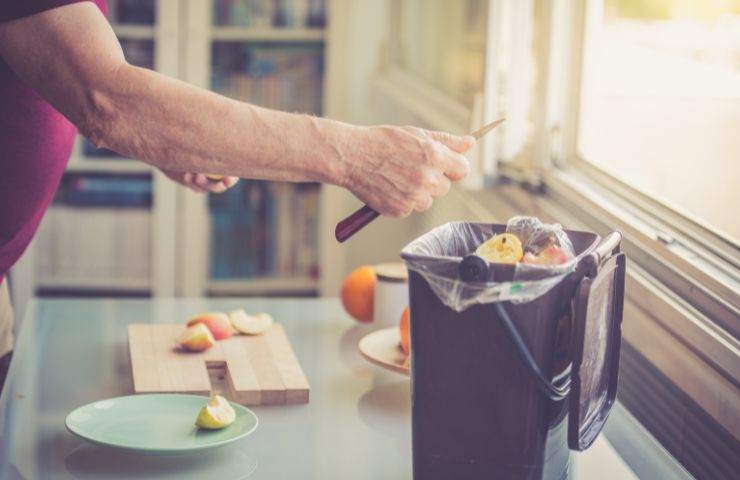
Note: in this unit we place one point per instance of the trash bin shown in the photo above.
(512, 367)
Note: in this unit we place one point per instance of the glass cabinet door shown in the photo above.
(261, 236)
(103, 233)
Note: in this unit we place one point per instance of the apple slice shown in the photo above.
(250, 324)
(217, 413)
(196, 338)
(552, 255)
(217, 322)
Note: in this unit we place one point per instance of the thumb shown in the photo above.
(456, 143)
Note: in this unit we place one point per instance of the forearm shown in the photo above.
(173, 125)
(178, 127)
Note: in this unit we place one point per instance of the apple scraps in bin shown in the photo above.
(529, 241)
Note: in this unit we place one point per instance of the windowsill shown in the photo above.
(416, 98)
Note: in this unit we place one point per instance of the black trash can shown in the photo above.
(510, 369)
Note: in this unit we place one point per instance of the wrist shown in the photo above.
(333, 142)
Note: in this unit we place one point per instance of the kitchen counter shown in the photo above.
(357, 424)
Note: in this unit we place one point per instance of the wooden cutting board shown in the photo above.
(257, 370)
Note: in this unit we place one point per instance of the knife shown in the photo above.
(355, 222)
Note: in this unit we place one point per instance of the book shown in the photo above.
(111, 190)
(271, 232)
(94, 244)
(285, 77)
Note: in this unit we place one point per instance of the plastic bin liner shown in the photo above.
(436, 257)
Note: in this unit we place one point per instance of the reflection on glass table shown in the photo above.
(356, 425)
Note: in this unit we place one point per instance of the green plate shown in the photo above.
(157, 424)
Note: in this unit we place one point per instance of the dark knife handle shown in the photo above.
(354, 223)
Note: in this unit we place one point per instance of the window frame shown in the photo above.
(696, 261)
(682, 300)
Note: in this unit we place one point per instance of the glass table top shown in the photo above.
(356, 425)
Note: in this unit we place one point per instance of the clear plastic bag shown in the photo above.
(436, 256)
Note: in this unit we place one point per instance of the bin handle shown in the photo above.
(549, 389)
(607, 246)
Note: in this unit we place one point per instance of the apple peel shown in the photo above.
(552, 255)
(217, 322)
(196, 338)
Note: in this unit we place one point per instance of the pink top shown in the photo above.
(35, 144)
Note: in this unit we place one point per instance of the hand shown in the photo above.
(397, 170)
(200, 183)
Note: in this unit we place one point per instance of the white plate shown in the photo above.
(383, 348)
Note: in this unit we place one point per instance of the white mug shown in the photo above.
(391, 294)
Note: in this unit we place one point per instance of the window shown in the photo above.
(443, 42)
(660, 105)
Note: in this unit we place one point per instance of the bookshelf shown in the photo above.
(260, 238)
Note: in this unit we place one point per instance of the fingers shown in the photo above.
(187, 180)
(424, 203)
(442, 187)
(229, 181)
(456, 143)
(201, 183)
(449, 149)
(455, 166)
(200, 180)
(221, 185)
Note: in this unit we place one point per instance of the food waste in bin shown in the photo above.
(526, 240)
(542, 242)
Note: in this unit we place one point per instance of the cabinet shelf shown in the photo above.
(107, 165)
(268, 34)
(261, 286)
(130, 285)
(134, 31)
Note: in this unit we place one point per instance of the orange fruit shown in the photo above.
(358, 290)
(404, 328)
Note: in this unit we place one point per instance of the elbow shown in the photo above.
(97, 118)
(102, 103)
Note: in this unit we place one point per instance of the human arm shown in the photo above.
(71, 56)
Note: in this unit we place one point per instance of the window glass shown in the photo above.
(443, 43)
(660, 103)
